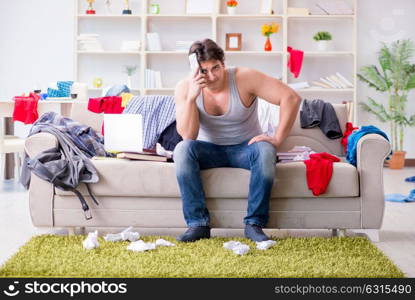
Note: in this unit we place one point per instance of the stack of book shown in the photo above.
(89, 42)
(183, 46)
(337, 81)
(153, 42)
(144, 155)
(298, 153)
(152, 79)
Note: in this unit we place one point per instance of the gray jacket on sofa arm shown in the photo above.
(145, 194)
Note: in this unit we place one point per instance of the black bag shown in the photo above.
(65, 173)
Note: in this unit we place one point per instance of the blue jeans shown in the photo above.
(191, 156)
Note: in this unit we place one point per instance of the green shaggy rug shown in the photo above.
(64, 256)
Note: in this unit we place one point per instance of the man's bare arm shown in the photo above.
(274, 91)
(187, 114)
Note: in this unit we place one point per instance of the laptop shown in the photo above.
(123, 132)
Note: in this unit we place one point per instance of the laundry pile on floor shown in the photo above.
(396, 197)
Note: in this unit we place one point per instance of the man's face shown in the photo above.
(214, 71)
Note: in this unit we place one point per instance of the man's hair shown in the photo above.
(207, 50)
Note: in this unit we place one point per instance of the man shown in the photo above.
(216, 114)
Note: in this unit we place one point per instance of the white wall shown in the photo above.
(383, 20)
(36, 45)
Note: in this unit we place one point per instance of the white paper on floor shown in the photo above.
(125, 235)
(265, 244)
(236, 247)
(161, 242)
(141, 246)
(91, 241)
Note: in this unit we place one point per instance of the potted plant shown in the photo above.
(323, 39)
(231, 6)
(396, 78)
(130, 70)
(267, 30)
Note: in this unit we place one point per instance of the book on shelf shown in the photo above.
(152, 79)
(320, 84)
(153, 41)
(333, 83)
(144, 155)
(342, 78)
(336, 81)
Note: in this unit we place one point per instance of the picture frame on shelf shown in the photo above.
(199, 7)
(233, 41)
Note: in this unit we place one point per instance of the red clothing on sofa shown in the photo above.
(319, 170)
(295, 61)
(25, 108)
(108, 105)
(347, 132)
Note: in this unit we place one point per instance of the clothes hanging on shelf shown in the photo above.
(295, 61)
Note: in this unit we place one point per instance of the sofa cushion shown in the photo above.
(158, 179)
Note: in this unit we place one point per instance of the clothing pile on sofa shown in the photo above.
(319, 166)
(297, 153)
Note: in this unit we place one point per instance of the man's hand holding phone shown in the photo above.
(197, 80)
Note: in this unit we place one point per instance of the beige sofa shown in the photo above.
(145, 194)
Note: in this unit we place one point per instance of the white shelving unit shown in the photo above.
(174, 24)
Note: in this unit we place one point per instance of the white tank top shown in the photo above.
(236, 125)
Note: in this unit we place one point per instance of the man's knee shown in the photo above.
(265, 155)
(183, 150)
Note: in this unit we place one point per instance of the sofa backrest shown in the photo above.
(314, 137)
(80, 113)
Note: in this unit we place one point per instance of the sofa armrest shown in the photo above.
(39, 142)
(372, 149)
(41, 192)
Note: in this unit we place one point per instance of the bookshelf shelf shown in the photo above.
(109, 17)
(313, 17)
(247, 16)
(110, 52)
(174, 25)
(313, 90)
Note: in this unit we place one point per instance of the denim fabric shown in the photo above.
(191, 156)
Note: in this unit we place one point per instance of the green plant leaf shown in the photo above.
(370, 74)
(385, 58)
(322, 36)
(377, 109)
(410, 84)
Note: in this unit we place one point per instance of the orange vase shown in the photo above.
(268, 45)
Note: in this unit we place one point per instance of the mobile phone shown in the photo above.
(194, 63)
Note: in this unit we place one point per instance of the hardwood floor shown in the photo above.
(397, 235)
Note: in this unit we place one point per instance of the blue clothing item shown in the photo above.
(117, 90)
(192, 156)
(64, 89)
(354, 138)
(410, 179)
(158, 112)
(400, 197)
